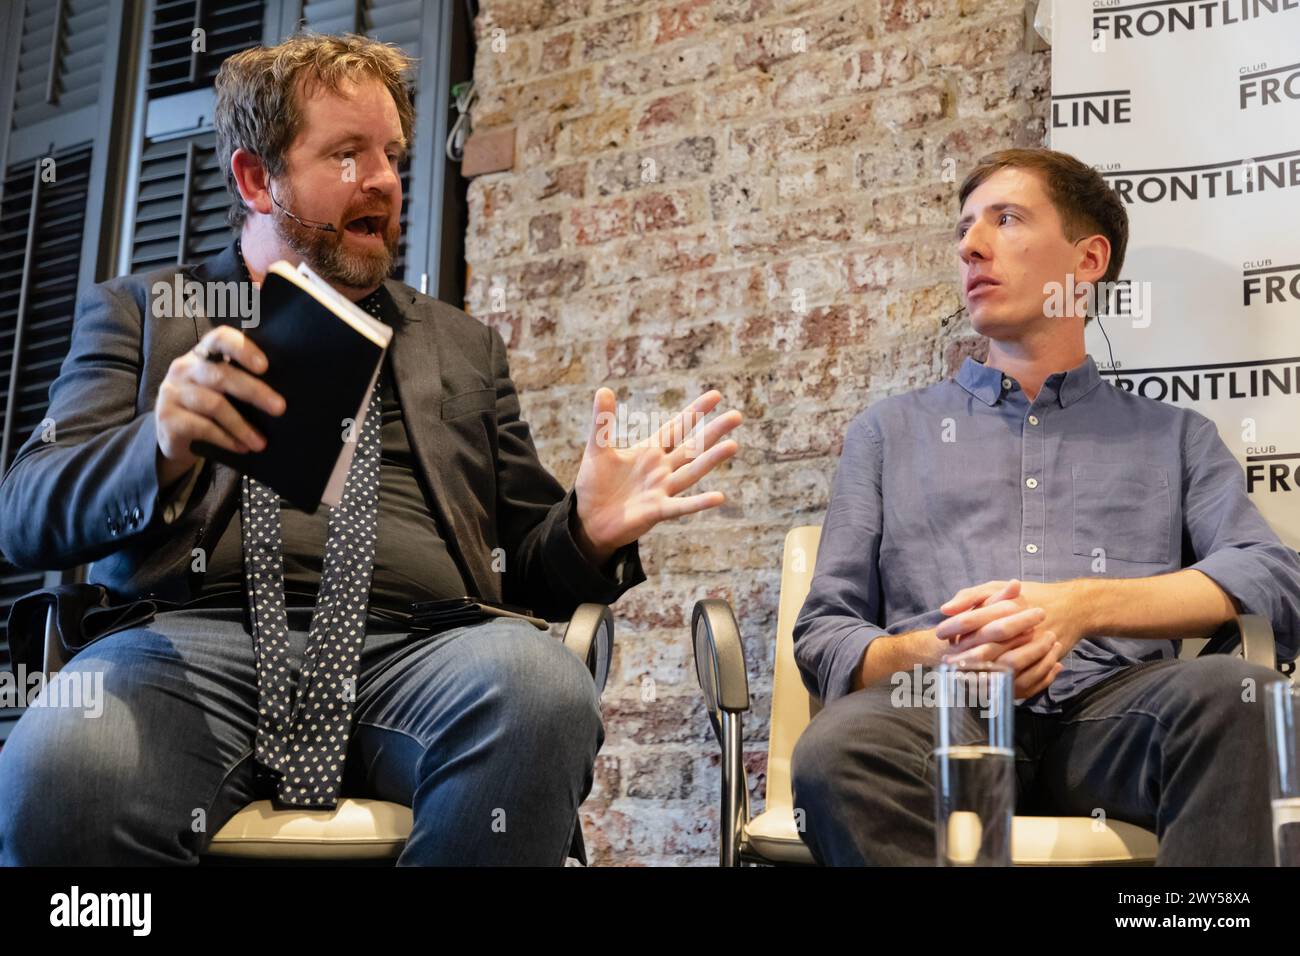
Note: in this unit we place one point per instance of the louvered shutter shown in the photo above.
(58, 85)
(40, 249)
(228, 26)
(61, 58)
(181, 203)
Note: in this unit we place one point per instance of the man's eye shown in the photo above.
(1005, 215)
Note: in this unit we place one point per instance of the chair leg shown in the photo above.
(735, 791)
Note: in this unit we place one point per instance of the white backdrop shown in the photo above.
(1192, 112)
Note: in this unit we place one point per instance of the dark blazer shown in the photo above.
(92, 494)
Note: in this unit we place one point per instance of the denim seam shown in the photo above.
(1131, 710)
(396, 730)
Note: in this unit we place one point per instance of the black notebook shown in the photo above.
(323, 355)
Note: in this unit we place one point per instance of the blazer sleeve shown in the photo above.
(86, 480)
(545, 570)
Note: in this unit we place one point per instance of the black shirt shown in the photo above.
(411, 558)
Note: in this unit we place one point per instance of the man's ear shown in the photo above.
(1094, 258)
(250, 177)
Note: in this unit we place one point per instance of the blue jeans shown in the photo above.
(489, 733)
(1178, 747)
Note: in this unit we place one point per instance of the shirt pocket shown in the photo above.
(1123, 508)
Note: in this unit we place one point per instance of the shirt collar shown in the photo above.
(985, 382)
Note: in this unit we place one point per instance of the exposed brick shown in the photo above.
(666, 114)
(977, 46)
(674, 65)
(567, 180)
(680, 20)
(514, 17)
(596, 132)
(873, 69)
(557, 53)
(610, 37)
(789, 232)
(697, 204)
(657, 211)
(685, 159)
(736, 196)
(901, 14)
(916, 107)
(544, 232)
(819, 33)
(880, 267)
(741, 96)
(600, 222)
(647, 354)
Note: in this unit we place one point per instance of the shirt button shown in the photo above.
(1006, 383)
(1031, 482)
(1031, 548)
(1033, 419)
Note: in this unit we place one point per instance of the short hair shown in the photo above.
(257, 106)
(1081, 196)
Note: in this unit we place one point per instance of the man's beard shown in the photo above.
(326, 254)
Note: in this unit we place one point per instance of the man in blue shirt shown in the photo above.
(1026, 512)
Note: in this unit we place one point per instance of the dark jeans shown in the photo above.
(1170, 745)
(489, 733)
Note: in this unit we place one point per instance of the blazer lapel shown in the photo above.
(417, 379)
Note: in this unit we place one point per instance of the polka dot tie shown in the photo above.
(302, 738)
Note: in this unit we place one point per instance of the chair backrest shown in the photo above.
(792, 706)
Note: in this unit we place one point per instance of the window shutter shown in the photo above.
(228, 27)
(181, 202)
(61, 57)
(40, 254)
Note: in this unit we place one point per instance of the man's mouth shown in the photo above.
(980, 283)
(367, 226)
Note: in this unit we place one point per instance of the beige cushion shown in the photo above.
(1073, 841)
(1035, 841)
(354, 829)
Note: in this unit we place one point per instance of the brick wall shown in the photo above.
(749, 195)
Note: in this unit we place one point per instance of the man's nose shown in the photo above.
(382, 176)
(972, 245)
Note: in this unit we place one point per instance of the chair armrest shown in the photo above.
(1255, 635)
(53, 659)
(590, 635)
(720, 669)
(719, 657)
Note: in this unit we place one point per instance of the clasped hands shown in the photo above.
(1026, 625)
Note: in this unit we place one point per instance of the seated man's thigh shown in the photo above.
(149, 756)
(479, 699)
(861, 737)
(861, 780)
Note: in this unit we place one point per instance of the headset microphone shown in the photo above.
(322, 226)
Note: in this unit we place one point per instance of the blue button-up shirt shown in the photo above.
(968, 481)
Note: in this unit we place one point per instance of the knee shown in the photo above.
(1223, 688)
(860, 735)
(55, 765)
(817, 759)
(540, 687)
